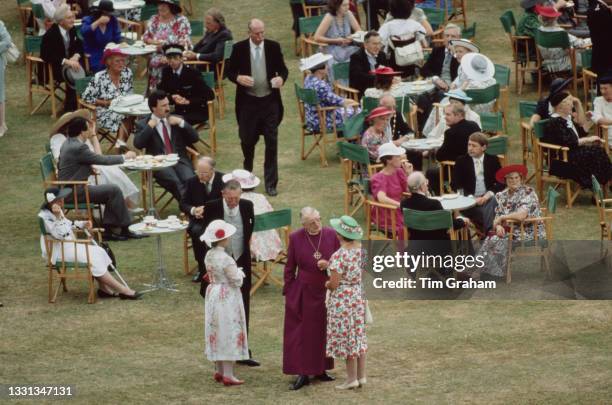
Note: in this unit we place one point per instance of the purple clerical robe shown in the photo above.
(305, 311)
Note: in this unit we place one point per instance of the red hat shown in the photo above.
(379, 112)
(383, 71)
(547, 11)
(501, 174)
(112, 52)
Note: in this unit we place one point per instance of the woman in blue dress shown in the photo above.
(99, 29)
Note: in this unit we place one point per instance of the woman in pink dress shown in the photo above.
(388, 187)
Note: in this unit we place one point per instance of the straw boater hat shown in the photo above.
(246, 179)
(53, 193)
(379, 112)
(384, 71)
(549, 12)
(175, 5)
(477, 67)
(389, 149)
(458, 94)
(501, 174)
(66, 118)
(465, 43)
(314, 61)
(217, 230)
(347, 227)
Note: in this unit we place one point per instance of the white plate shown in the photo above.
(450, 196)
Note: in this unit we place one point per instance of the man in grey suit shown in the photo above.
(75, 162)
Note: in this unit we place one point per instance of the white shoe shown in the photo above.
(3, 130)
(363, 381)
(348, 386)
(120, 144)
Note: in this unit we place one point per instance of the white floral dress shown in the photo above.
(346, 334)
(224, 318)
(265, 245)
(102, 87)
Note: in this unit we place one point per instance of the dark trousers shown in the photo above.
(173, 178)
(482, 215)
(244, 261)
(70, 101)
(116, 213)
(196, 229)
(260, 115)
(433, 176)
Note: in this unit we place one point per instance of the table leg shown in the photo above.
(161, 280)
(152, 211)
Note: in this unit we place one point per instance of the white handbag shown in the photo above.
(411, 54)
(12, 53)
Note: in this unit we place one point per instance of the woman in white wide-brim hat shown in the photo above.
(225, 328)
(460, 48)
(265, 245)
(477, 72)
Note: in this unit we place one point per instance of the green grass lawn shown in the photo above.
(152, 350)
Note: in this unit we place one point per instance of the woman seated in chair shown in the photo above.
(544, 108)
(389, 185)
(61, 228)
(115, 81)
(377, 134)
(386, 81)
(265, 245)
(586, 155)
(476, 72)
(99, 29)
(316, 80)
(517, 202)
(106, 174)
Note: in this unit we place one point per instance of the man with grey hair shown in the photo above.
(62, 48)
(240, 213)
(308, 254)
(258, 69)
(205, 186)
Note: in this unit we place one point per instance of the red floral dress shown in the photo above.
(346, 335)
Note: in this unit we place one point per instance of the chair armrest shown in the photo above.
(381, 205)
(78, 182)
(197, 62)
(124, 21)
(553, 146)
(346, 88)
(529, 220)
(34, 58)
(192, 152)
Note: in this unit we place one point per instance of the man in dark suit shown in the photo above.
(185, 87)
(162, 134)
(258, 69)
(364, 61)
(75, 162)
(61, 48)
(205, 186)
(240, 213)
(455, 140)
(211, 48)
(474, 173)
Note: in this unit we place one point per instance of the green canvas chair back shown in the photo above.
(497, 146)
(369, 103)
(353, 152)
(538, 128)
(491, 122)
(402, 104)
(556, 39)
(597, 188)
(427, 220)
(508, 22)
(48, 147)
(587, 58)
(81, 84)
(341, 70)
(147, 11)
(20, 2)
(353, 126)
(38, 11)
(32, 44)
(482, 96)
(308, 25)
(209, 79)
(272, 220)
(227, 50)
(435, 17)
(41, 224)
(469, 32)
(307, 96)
(527, 108)
(197, 28)
(47, 169)
(502, 75)
(551, 199)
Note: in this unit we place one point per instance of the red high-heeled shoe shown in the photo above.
(218, 377)
(228, 382)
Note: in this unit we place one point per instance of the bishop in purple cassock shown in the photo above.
(305, 313)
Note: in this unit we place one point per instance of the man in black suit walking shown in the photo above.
(240, 213)
(185, 87)
(364, 61)
(61, 48)
(258, 69)
(161, 134)
(205, 186)
(475, 174)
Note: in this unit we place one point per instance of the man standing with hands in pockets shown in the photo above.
(258, 69)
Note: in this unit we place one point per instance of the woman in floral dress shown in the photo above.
(168, 26)
(346, 306)
(517, 202)
(225, 321)
(377, 133)
(114, 81)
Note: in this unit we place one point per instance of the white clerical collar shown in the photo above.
(369, 54)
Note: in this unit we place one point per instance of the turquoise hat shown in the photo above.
(347, 227)
(458, 95)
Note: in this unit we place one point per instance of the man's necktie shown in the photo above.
(208, 187)
(479, 170)
(257, 54)
(167, 143)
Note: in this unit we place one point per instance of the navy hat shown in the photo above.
(558, 85)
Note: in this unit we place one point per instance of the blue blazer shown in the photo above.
(94, 41)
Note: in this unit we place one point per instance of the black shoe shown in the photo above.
(325, 377)
(249, 362)
(272, 192)
(135, 296)
(109, 236)
(197, 278)
(300, 382)
(104, 294)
